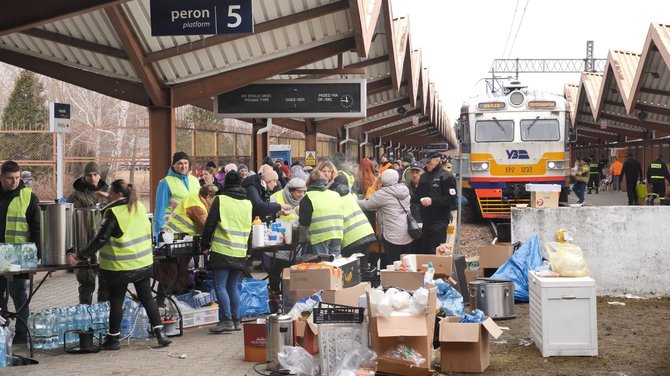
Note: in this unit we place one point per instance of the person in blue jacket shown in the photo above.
(176, 186)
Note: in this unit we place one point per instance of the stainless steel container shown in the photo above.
(56, 236)
(278, 333)
(86, 225)
(494, 297)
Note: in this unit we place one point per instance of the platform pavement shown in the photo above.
(601, 199)
(206, 354)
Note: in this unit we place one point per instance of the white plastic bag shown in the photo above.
(567, 259)
(298, 361)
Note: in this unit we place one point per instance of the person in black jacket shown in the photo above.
(437, 195)
(259, 188)
(632, 172)
(657, 174)
(13, 195)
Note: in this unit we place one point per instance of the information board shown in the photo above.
(201, 17)
(344, 98)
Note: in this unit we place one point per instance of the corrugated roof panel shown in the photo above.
(624, 65)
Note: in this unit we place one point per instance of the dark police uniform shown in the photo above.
(594, 176)
(657, 173)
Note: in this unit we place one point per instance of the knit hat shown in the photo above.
(178, 156)
(408, 159)
(230, 167)
(416, 166)
(296, 183)
(389, 177)
(91, 167)
(232, 179)
(241, 167)
(285, 169)
(269, 175)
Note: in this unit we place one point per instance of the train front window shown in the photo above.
(494, 130)
(540, 130)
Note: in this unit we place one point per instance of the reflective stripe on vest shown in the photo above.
(132, 250)
(594, 168)
(16, 225)
(231, 235)
(179, 221)
(356, 224)
(327, 219)
(279, 198)
(179, 191)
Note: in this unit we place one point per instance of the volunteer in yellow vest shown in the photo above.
(225, 239)
(126, 256)
(190, 215)
(291, 195)
(173, 188)
(321, 211)
(19, 223)
(339, 160)
(358, 234)
(581, 179)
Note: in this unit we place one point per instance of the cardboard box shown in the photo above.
(441, 264)
(404, 280)
(348, 296)
(351, 272)
(492, 256)
(414, 331)
(254, 342)
(465, 347)
(307, 336)
(316, 279)
(542, 200)
(472, 274)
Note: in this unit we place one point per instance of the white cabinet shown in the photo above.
(563, 318)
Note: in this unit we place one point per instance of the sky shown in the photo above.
(460, 39)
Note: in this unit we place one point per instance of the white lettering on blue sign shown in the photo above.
(189, 13)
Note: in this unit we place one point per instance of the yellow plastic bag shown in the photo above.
(641, 191)
(567, 259)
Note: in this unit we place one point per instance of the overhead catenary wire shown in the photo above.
(511, 26)
(509, 53)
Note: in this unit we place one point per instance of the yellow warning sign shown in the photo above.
(310, 158)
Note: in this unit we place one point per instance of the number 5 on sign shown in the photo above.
(237, 17)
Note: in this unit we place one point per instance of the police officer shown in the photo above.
(126, 256)
(594, 175)
(657, 173)
(437, 195)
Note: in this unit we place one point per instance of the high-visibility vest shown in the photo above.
(179, 221)
(616, 167)
(132, 250)
(231, 235)
(356, 224)
(594, 168)
(278, 197)
(350, 178)
(583, 173)
(16, 225)
(179, 190)
(656, 168)
(327, 219)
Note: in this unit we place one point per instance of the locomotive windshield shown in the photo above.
(494, 130)
(540, 130)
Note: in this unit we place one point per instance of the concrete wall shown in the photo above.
(627, 248)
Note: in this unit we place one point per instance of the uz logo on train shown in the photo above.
(517, 154)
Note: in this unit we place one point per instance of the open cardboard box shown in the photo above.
(414, 331)
(441, 264)
(315, 279)
(307, 336)
(492, 256)
(465, 347)
(404, 280)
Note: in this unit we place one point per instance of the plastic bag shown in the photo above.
(526, 258)
(254, 297)
(641, 190)
(404, 352)
(353, 360)
(475, 316)
(298, 361)
(304, 306)
(451, 301)
(567, 259)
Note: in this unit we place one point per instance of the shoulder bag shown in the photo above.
(413, 228)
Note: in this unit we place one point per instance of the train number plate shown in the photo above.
(518, 170)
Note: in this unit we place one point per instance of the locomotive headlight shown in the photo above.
(479, 166)
(555, 165)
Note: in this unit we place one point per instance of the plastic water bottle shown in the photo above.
(62, 325)
(127, 320)
(141, 323)
(38, 330)
(3, 347)
(71, 316)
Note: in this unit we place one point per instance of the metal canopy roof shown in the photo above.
(632, 97)
(106, 46)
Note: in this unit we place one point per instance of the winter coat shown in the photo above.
(84, 196)
(389, 212)
(219, 186)
(260, 198)
(631, 171)
(440, 185)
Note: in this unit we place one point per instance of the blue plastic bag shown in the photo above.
(526, 258)
(475, 316)
(451, 301)
(254, 297)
